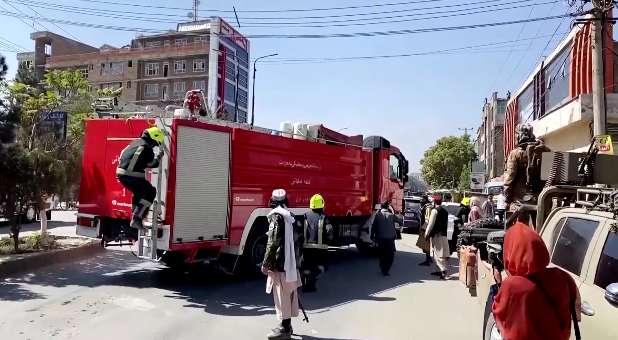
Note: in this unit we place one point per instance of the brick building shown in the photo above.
(157, 70)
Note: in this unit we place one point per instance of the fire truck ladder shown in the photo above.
(147, 237)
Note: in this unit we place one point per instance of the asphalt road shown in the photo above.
(115, 296)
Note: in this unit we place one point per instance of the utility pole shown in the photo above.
(196, 3)
(253, 96)
(598, 79)
(465, 130)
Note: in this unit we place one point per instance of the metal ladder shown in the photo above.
(147, 238)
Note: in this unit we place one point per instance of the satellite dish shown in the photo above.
(190, 15)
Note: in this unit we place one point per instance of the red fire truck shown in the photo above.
(215, 181)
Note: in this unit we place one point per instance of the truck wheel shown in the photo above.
(365, 248)
(491, 331)
(255, 253)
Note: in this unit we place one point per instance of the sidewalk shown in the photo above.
(61, 224)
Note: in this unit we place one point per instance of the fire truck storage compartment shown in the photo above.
(202, 185)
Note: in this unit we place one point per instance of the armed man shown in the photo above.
(522, 178)
(131, 172)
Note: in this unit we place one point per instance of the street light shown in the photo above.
(253, 95)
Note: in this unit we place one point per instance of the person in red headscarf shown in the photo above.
(534, 301)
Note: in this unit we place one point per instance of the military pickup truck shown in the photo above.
(579, 225)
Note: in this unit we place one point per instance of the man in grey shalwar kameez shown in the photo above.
(437, 233)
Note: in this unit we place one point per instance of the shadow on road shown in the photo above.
(350, 277)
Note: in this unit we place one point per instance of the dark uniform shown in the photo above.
(131, 173)
(317, 234)
(384, 233)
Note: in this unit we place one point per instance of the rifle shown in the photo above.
(302, 308)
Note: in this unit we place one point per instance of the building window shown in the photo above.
(129, 84)
(230, 71)
(199, 85)
(130, 63)
(181, 42)
(152, 69)
(200, 39)
(242, 98)
(230, 92)
(114, 69)
(180, 66)
(91, 67)
(242, 79)
(572, 244)
(84, 72)
(180, 88)
(151, 44)
(199, 65)
(151, 90)
(167, 43)
(48, 49)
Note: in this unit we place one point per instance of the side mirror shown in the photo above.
(611, 293)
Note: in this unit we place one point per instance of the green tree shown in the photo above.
(54, 161)
(443, 163)
(464, 179)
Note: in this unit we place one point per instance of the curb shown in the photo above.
(44, 259)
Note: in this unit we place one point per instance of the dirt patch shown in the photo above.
(35, 244)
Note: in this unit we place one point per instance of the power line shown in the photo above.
(403, 32)
(60, 28)
(106, 13)
(499, 73)
(299, 36)
(22, 20)
(265, 11)
(7, 41)
(524, 55)
(357, 22)
(441, 51)
(20, 11)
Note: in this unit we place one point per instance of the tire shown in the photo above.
(365, 249)
(491, 331)
(255, 254)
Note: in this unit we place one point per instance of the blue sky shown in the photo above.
(411, 101)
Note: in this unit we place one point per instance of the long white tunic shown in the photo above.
(439, 243)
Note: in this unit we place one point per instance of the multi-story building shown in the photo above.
(157, 70)
(557, 97)
(489, 138)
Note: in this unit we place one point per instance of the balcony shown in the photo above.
(567, 128)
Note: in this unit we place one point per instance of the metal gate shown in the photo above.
(202, 185)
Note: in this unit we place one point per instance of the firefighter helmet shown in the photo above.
(316, 202)
(466, 201)
(155, 134)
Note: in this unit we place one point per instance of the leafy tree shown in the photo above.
(54, 161)
(443, 163)
(26, 75)
(464, 179)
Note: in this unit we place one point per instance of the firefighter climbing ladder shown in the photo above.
(147, 238)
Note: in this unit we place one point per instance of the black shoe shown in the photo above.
(424, 263)
(436, 273)
(443, 276)
(386, 274)
(280, 333)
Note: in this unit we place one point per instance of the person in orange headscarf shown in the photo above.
(534, 301)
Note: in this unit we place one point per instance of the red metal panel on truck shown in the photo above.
(263, 162)
(100, 192)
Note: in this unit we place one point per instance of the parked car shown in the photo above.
(412, 214)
